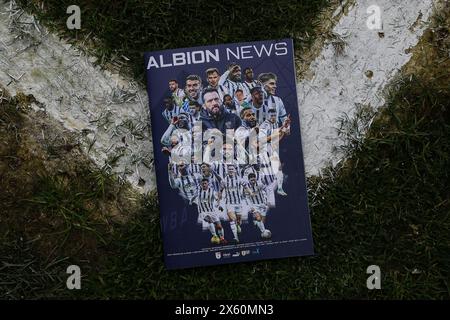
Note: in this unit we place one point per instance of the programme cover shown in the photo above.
(228, 153)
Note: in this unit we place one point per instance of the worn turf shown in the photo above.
(388, 205)
(57, 208)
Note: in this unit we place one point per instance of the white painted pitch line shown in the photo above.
(340, 82)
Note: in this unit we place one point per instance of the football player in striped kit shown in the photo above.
(258, 105)
(250, 152)
(231, 79)
(246, 147)
(258, 203)
(220, 167)
(170, 109)
(185, 182)
(194, 112)
(232, 192)
(267, 176)
(182, 123)
(239, 98)
(173, 148)
(249, 82)
(195, 168)
(230, 104)
(246, 169)
(206, 172)
(207, 205)
(177, 93)
(274, 133)
(269, 83)
(213, 77)
(270, 124)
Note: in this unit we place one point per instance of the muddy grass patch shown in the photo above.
(57, 207)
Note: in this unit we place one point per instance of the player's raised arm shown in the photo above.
(286, 127)
(223, 77)
(165, 139)
(276, 135)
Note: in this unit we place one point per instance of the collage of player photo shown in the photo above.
(234, 175)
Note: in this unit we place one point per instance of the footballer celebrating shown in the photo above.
(258, 204)
(249, 82)
(170, 109)
(231, 79)
(232, 191)
(207, 203)
(184, 182)
(273, 133)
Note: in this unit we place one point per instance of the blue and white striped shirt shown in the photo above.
(169, 114)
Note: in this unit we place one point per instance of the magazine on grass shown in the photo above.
(228, 153)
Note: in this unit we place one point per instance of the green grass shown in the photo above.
(57, 209)
(130, 28)
(388, 205)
